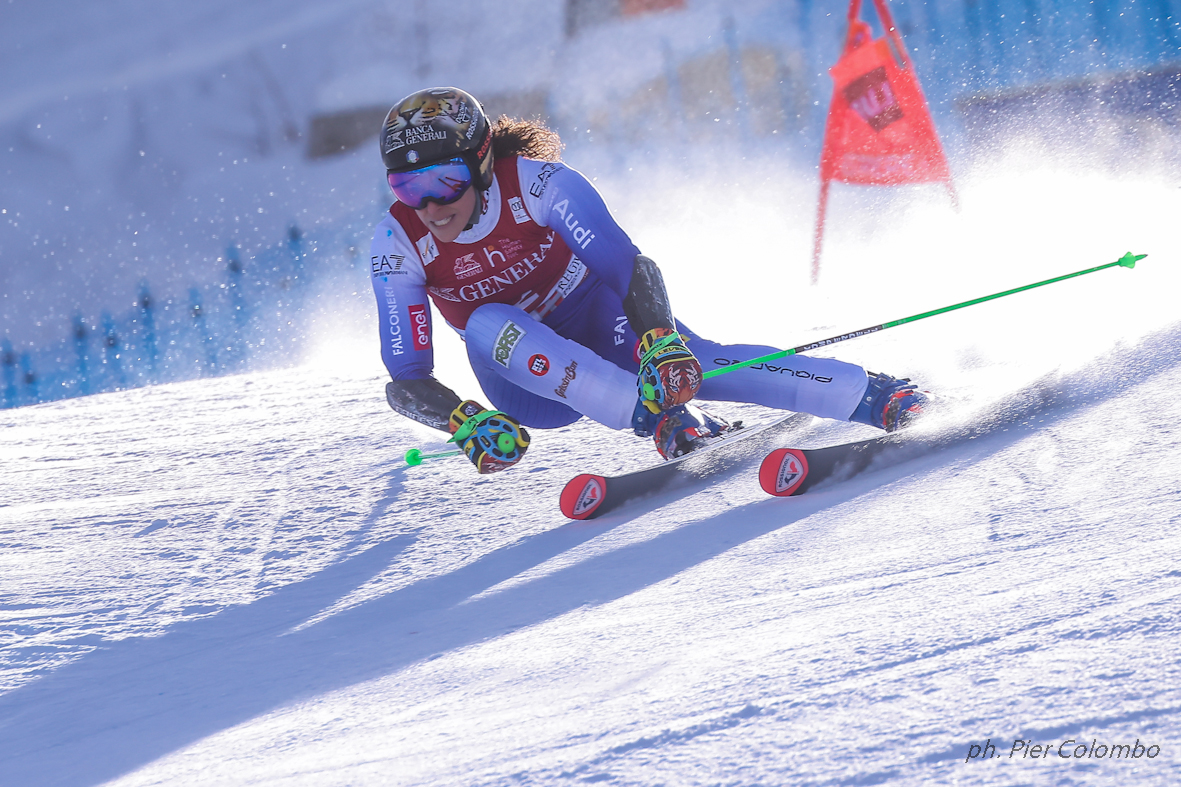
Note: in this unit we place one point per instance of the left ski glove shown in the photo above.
(670, 375)
(492, 440)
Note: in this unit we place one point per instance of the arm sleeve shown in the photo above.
(560, 197)
(403, 310)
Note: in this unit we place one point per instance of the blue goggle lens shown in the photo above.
(442, 183)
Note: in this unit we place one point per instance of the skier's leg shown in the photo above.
(599, 322)
(820, 386)
(529, 409)
(542, 379)
(823, 387)
(595, 318)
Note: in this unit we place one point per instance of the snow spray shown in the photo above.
(1129, 260)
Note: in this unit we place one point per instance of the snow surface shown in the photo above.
(237, 581)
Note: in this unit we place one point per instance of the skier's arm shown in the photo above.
(646, 304)
(560, 197)
(425, 400)
(404, 320)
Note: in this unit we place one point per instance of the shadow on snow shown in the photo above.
(136, 700)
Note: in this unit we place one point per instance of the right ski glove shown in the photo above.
(492, 440)
(669, 374)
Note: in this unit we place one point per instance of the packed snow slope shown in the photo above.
(237, 581)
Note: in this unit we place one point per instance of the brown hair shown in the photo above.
(529, 138)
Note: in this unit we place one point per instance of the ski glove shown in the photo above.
(670, 375)
(492, 440)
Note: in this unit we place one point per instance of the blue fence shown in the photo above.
(1072, 72)
(251, 319)
(993, 65)
(760, 75)
(965, 46)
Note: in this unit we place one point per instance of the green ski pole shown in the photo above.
(1129, 260)
(415, 457)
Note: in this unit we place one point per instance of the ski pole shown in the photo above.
(1129, 260)
(415, 457)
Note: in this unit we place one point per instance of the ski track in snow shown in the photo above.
(236, 581)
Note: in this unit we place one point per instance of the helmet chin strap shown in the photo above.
(478, 209)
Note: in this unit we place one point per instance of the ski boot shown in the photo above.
(889, 403)
(678, 430)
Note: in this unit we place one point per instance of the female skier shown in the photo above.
(561, 314)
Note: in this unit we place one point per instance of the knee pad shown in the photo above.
(492, 333)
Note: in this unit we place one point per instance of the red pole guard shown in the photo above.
(854, 10)
(892, 31)
(818, 235)
(955, 197)
(896, 38)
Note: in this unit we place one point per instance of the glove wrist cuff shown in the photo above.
(464, 430)
(656, 340)
(465, 410)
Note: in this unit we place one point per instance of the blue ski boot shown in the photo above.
(889, 403)
(678, 430)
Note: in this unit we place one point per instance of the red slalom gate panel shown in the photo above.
(879, 129)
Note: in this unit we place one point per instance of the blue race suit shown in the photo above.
(536, 287)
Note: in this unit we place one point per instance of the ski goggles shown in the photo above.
(443, 183)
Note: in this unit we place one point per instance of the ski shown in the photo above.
(786, 472)
(793, 471)
(587, 495)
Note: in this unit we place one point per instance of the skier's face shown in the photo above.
(446, 221)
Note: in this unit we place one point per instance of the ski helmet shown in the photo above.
(434, 125)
